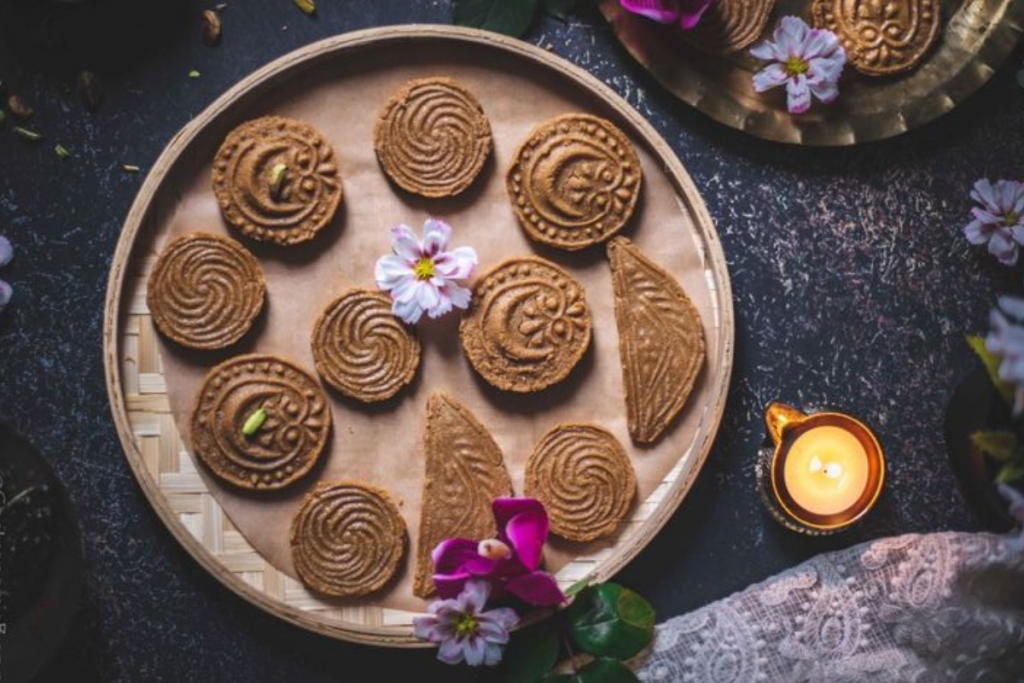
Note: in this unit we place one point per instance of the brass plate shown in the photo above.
(976, 37)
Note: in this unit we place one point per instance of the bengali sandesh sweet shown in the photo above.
(277, 180)
(361, 348)
(584, 477)
(205, 291)
(574, 181)
(464, 472)
(528, 325)
(259, 422)
(432, 137)
(729, 26)
(661, 340)
(347, 539)
(881, 38)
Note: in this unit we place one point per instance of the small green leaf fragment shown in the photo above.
(999, 445)
(307, 6)
(531, 654)
(559, 9)
(578, 587)
(131, 168)
(254, 422)
(605, 670)
(277, 174)
(611, 621)
(1011, 472)
(62, 151)
(511, 17)
(194, 74)
(991, 363)
(28, 134)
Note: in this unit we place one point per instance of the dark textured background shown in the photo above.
(853, 288)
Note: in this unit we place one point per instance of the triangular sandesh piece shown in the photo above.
(465, 472)
(661, 340)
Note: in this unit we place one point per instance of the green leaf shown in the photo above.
(578, 587)
(559, 9)
(999, 445)
(511, 17)
(991, 363)
(531, 654)
(1010, 472)
(611, 621)
(605, 671)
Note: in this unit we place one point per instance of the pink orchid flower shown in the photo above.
(422, 275)
(509, 562)
(686, 12)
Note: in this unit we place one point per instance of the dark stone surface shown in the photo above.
(853, 288)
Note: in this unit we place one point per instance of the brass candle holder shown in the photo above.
(822, 472)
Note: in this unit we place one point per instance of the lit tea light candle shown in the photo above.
(825, 472)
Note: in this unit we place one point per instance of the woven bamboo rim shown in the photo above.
(154, 449)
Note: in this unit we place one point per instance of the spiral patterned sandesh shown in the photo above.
(574, 182)
(205, 291)
(433, 137)
(584, 478)
(290, 439)
(362, 349)
(347, 539)
(527, 326)
(729, 26)
(267, 203)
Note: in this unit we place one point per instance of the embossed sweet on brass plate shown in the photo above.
(973, 38)
(729, 26)
(881, 37)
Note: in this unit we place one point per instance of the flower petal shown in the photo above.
(474, 649)
(390, 270)
(457, 264)
(451, 651)
(798, 95)
(405, 243)
(1003, 248)
(1013, 306)
(450, 556)
(450, 585)
(977, 232)
(6, 293)
(6, 251)
(505, 508)
(492, 653)
(790, 35)
(772, 76)
(536, 588)
(825, 91)
(690, 12)
(503, 617)
(423, 627)
(528, 531)
(459, 296)
(662, 11)
(436, 234)
(984, 194)
(475, 595)
(763, 50)
(427, 295)
(407, 311)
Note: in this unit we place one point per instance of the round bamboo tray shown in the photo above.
(134, 360)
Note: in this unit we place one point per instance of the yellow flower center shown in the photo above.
(465, 625)
(424, 269)
(1011, 218)
(795, 66)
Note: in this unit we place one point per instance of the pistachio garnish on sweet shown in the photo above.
(62, 152)
(277, 174)
(19, 107)
(89, 90)
(307, 6)
(254, 422)
(211, 27)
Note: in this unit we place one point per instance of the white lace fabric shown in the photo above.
(943, 607)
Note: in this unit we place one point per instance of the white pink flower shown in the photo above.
(464, 630)
(998, 218)
(1006, 340)
(808, 61)
(422, 275)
